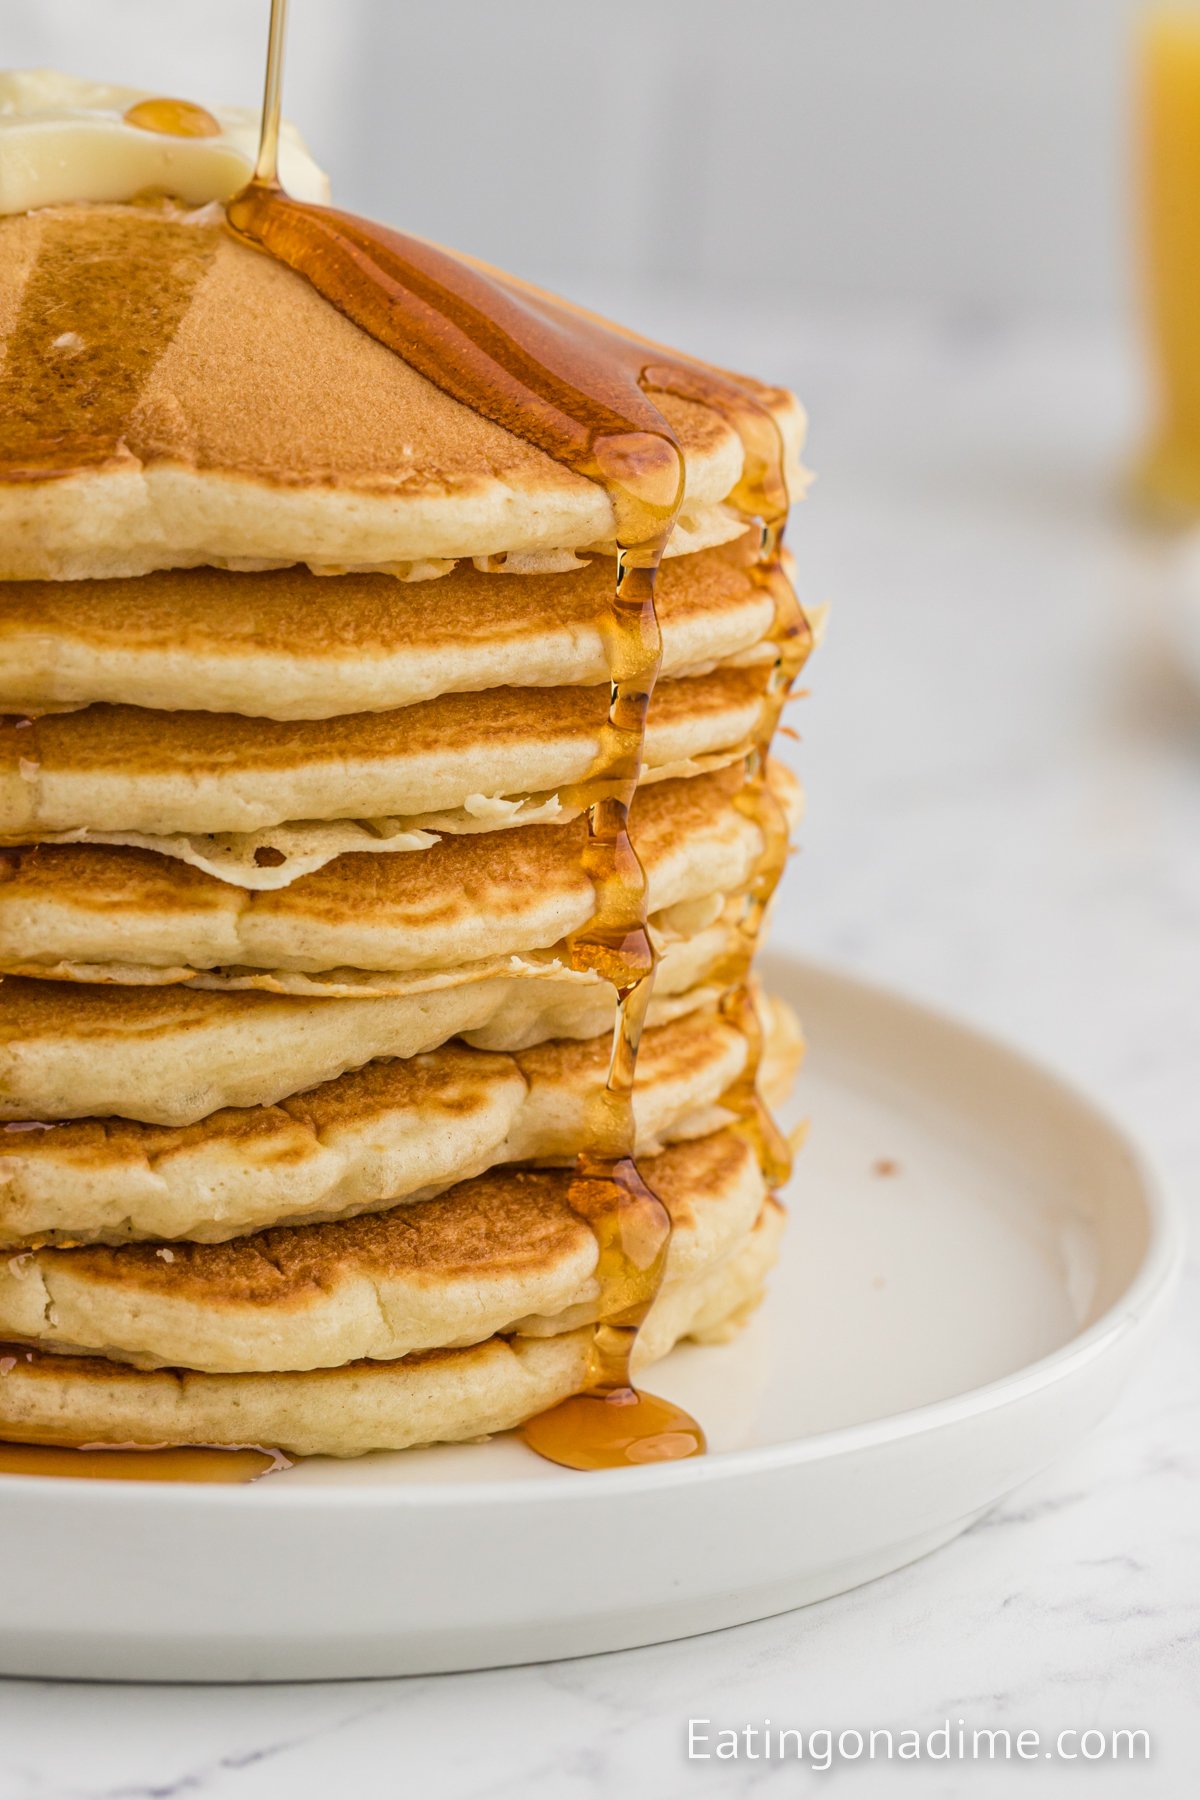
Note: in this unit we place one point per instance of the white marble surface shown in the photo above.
(1005, 817)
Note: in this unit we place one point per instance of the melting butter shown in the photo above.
(64, 139)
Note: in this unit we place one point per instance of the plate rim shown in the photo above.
(1146, 1293)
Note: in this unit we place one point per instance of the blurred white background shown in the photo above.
(965, 153)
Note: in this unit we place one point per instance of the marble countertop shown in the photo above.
(1004, 777)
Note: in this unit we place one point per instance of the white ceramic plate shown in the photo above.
(975, 1256)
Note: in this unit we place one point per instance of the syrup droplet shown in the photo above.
(622, 1429)
(172, 118)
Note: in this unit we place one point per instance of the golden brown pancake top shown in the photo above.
(141, 334)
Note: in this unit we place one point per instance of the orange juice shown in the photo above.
(1169, 83)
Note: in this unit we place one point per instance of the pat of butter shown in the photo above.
(63, 139)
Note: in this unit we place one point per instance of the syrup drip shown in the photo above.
(98, 1462)
(792, 637)
(172, 118)
(580, 390)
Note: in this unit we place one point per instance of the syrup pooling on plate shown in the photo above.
(610, 1431)
(579, 390)
(102, 1462)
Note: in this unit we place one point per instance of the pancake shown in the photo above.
(393, 1131)
(120, 769)
(169, 397)
(292, 645)
(129, 915)
(501, 1253)
(172, 1055)
(295, 1065)
(440, 1396)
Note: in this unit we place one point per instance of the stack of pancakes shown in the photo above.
(303, 674)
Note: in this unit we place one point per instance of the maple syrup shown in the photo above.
(621, 1429)
(581, 391)
(100, 1462)
(792, 638)
(172, 118)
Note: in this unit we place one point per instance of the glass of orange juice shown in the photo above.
(1168, 477)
